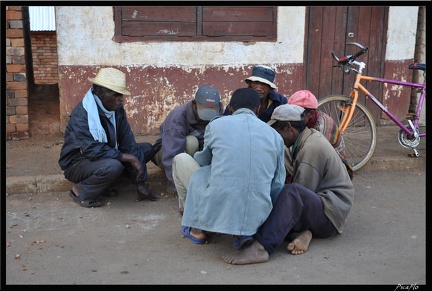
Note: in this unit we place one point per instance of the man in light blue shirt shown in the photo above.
(232, 183)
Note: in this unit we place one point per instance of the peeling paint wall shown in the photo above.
(156, 91)
(162, 75)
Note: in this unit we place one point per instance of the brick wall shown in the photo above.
(17, 125)
(44, 55)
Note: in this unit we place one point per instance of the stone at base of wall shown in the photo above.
(18, 135)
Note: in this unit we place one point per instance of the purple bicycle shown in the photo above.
(354, 119)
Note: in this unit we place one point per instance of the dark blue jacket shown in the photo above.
(276, 98)
(79, 143)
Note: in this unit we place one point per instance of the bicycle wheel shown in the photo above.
(360, 134)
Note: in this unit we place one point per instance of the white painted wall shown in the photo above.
(401, 35)
(401, 32)
(84, 32)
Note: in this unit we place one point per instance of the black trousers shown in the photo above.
(297, 209)
(93, 178)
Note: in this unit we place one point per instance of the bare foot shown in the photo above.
(145, 193)
(253, 254)
(300, 244)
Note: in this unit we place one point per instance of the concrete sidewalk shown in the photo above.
(389, 155)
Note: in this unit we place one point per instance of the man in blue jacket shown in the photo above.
(262, 81)
(99, 143)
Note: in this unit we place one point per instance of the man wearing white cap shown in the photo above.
(316, 203)
(99, 143)
(262, 81)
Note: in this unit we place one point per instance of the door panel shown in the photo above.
(331, 28)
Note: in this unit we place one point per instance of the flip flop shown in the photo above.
(241, 241)
(186, 233)
(89, 203)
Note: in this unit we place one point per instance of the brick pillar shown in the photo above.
(17, 123)
(44, 57)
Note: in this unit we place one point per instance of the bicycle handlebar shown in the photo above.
(350, 58)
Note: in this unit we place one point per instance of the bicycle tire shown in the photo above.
(360, 136)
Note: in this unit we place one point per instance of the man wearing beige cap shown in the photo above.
(316, 203)
(99, 143)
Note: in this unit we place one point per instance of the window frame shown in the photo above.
(261, 21)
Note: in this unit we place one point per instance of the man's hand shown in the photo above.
(136, 165)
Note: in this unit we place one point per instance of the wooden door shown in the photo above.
(331, 28)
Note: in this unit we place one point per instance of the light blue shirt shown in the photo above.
(242, 173)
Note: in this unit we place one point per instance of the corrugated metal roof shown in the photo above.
(42, 18)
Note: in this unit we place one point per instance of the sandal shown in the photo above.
(185, 230)
(242, 240)
(89, 203)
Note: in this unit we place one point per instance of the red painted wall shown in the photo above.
(156, 91)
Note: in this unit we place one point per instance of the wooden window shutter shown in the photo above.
(195, 23)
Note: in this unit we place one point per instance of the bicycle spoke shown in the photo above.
(359, 136)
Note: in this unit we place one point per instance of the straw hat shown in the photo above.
(112, 79)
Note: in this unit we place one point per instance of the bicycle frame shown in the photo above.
(358, 86)
(356, 123)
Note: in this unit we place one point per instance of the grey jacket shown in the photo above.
(334, 186)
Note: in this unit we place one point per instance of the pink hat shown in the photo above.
(304, 98)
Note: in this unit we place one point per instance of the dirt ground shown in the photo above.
(49, 239)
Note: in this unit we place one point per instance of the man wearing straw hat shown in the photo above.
(99, 143)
